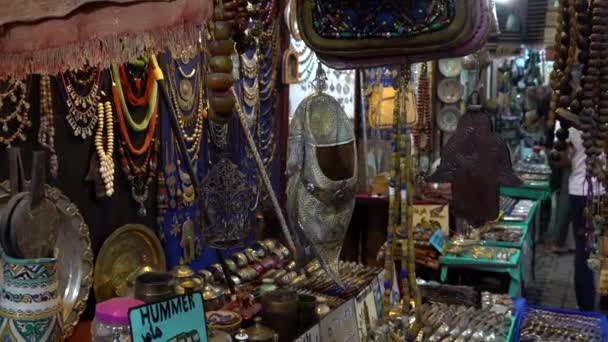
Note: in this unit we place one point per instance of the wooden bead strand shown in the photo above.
(599, 44)
(561, 74)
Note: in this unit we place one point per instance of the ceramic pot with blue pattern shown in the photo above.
(30, 302)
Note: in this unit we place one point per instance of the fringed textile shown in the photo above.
(114, 33)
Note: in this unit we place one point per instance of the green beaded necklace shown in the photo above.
(143, 125)
(400, 208)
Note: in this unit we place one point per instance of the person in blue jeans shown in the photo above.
(561, 221)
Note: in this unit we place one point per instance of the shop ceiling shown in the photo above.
(524, 22)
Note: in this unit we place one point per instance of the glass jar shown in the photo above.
(111, 323)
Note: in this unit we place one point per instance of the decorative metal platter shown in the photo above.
(126, 250)
(450, 67)
(74, 256)
(450, 90)
(447, 119)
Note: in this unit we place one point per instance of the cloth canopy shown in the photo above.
(48, 36)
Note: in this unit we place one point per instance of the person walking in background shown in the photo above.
(578, 190)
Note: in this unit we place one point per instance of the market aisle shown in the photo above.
(554, 284)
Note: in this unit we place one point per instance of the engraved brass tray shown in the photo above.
(75, 256)
(125, 251)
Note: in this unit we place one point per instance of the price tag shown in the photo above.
(365, 306)
(378, 291)
(178, 319)
(437, 240)
(340, 324)
(312, 335)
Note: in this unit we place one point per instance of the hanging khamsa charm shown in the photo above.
(322, 176)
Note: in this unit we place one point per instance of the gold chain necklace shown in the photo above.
(194, 120)
(20, 103)
(20, 111)
(186, 92)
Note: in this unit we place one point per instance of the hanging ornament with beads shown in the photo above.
(46, 131)
(14, 111)
(105, 150)
(138, 163)
(80, 90)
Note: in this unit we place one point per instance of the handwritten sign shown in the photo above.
(178, 319)
(312, 335)
(340, 325)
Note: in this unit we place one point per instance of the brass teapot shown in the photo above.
(186, 280)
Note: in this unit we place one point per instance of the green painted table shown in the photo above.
(511, 267)
(530, 190)
(525, 243)
(525, 225)
(538, 192)
(517, 268)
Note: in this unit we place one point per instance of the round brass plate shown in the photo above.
(123, 253)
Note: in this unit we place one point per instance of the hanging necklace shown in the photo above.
(46, 132)
(250, 66)
(306, 67)
(13, 99)
(266, 138)
(250, 83)
(121, 86)
(185, 75)
(185, 190)
(186, 92)
(558, 83)
(400, 203)
(139, 176)
(82, 109)
(423, 128)
(88, 74)
(193, 121)
(105, 151)
(251, 93)
(219, 135)
(251, 98)
(151, 128)
(597, 38)
(133, 99)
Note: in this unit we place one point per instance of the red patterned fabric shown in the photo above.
(97, 33)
